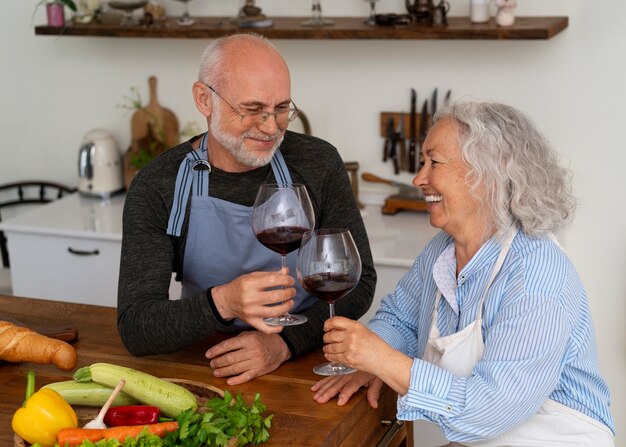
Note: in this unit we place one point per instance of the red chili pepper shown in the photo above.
(131, 415)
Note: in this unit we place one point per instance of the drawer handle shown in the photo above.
(83, 252)
(394, 427)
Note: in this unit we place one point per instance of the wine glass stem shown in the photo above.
(333, 365)
(283, 263)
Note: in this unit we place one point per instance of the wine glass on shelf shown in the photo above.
(316, 13)
(371, 20)
(185, 19)
(127, 7)
(329, 267)
(280, 216)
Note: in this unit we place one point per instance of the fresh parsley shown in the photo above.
(224, 420)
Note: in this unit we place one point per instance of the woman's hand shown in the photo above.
(345, 386)
(351, 343)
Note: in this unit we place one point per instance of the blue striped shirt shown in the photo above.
(537, 329)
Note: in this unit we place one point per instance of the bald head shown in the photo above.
(239, 54)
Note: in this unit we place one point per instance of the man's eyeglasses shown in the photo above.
(283, 116)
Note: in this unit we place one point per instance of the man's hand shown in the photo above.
(345, 386)
(247, 298)
(247, 355)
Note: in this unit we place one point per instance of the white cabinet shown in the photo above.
(68, 250)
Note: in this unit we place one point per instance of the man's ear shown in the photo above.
(202, 98)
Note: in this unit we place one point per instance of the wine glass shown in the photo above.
(371, 20)
(316, 19)
(280, 216)
(329, 267)
(185, 19)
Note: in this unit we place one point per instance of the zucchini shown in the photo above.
(172, 399)
(89, 394)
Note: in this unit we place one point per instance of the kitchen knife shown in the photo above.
(412, 131)
(393, 150)
(401, 149)
(423, 124)
(433, 104)
(446, 100)
(389, 134)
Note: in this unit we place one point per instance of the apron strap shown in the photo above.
(496, 268)
(279, 167)
(494, 272)
(193, 175)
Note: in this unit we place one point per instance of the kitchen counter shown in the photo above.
(69, 249)
(395, 240)
(298, 420)
(74, 216)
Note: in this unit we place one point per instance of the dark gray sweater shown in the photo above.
(149, 322)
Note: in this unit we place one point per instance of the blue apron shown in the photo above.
(221, 244)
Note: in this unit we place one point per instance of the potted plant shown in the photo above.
(55, 10)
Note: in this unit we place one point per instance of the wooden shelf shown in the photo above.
(532, 28)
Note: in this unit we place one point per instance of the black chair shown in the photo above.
(27, 193)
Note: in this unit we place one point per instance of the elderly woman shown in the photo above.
(489, 334)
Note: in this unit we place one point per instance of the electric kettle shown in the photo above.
(99, 165)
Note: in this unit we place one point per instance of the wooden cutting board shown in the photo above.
(64, 332)
(153, 128)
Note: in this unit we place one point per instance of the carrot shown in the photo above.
(69, 437)
(75, 436)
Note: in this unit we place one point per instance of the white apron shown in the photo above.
(553, 425)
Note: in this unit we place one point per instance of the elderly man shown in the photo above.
(189, 212)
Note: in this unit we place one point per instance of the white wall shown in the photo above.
(52, 90)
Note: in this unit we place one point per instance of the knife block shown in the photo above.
(396, 203)
(384, 117)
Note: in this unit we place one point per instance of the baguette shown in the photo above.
(20, 344)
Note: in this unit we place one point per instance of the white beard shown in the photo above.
(235, 145)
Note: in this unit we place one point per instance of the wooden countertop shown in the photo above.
(298, 420)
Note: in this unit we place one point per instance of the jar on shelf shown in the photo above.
(479, 11)
(55, 14)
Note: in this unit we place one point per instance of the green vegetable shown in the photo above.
(225, 419)
(172, 399)
(89, 394)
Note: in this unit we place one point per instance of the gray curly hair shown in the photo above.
(524, 182)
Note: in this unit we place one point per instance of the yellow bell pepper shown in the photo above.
(43, 415)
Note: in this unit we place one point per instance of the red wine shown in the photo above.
(329, 286)
(282, 240)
